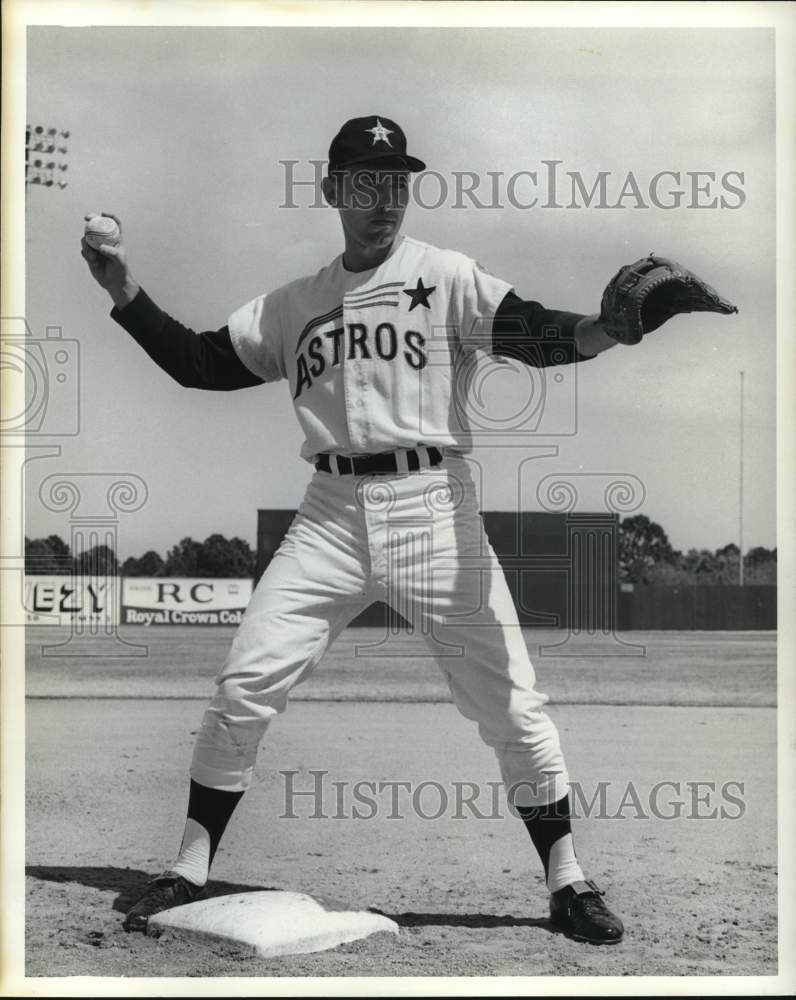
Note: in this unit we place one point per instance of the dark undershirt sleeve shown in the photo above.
(536, 336)
(195, 360)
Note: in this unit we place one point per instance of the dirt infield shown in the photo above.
(690, 867)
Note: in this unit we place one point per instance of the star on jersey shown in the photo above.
(419, 295)
(380, 133)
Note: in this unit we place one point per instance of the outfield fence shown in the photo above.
(542, 600)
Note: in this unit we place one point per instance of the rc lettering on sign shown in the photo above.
(160, 601)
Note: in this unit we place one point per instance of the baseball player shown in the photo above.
(373, 348)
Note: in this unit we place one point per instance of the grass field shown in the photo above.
(645, 668)
(109, 741)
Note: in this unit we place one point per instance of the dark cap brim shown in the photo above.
(395, 161)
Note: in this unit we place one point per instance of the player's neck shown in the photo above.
(359, 257)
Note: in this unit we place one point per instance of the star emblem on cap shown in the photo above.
(419, 295)
(380, 133)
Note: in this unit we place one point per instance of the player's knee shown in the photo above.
(250, 696)
(523, 732)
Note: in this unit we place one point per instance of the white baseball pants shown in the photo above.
(417, 542)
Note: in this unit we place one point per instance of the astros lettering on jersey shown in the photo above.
(370, 356)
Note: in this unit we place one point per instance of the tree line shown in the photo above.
(645, 555)
(216, 556)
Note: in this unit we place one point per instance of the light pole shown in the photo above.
(740, 488)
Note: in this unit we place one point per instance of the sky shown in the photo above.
(180, 132)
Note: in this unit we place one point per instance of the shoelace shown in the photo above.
(164, 881)
(592, 902)
(593, 905)
(594, 888)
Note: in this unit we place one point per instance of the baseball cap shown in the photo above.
(372, 140)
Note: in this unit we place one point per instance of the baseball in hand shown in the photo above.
(102, 231)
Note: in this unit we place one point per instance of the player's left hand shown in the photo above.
(642, 296)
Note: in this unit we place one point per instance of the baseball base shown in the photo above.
(270, 922)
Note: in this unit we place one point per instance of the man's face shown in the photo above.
(371, 203)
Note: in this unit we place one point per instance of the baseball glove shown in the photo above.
(642, 296)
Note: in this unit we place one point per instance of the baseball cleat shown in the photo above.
(163, 892)
(579, 911)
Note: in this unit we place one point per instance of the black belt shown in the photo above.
(387, 461)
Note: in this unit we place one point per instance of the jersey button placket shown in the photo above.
(361, 408)
(350, 393)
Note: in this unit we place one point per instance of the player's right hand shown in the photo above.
(108, 266)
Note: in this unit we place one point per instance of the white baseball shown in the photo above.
(102, 231)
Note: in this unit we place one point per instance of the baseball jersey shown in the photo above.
(375, 360)
(373, 357)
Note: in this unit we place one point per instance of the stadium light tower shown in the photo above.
(44, 152)
(740, 484)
